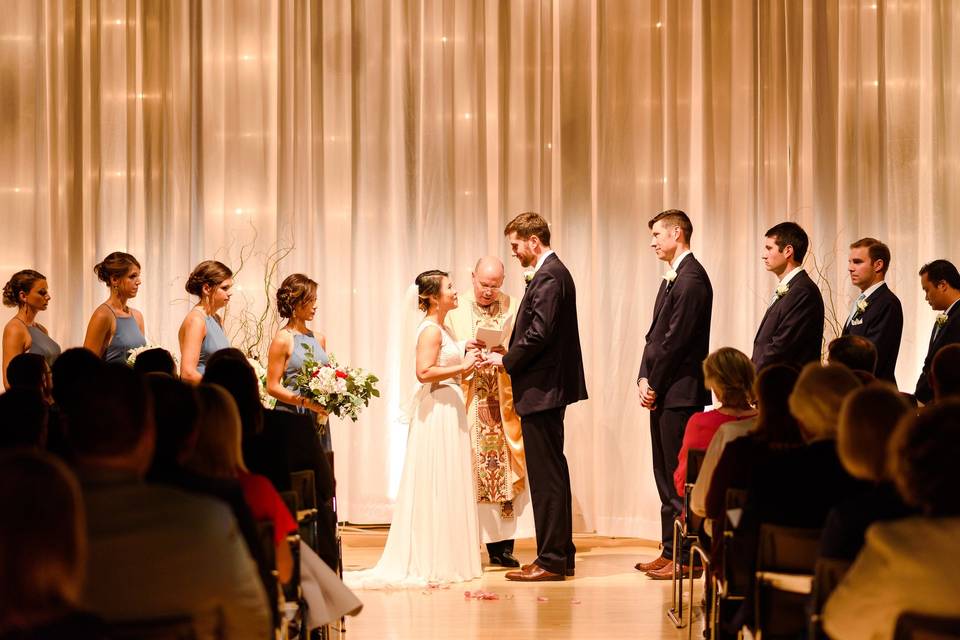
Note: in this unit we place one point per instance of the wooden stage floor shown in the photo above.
(608, 598)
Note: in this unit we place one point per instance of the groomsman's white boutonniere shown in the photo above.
(862, 306)
(942, 319)
(781, 290)
(670, 276)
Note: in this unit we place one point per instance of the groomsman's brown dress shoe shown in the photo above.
(533, 573)
(666, 572)
(653, 565)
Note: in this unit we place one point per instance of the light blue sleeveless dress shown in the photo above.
(127, 336)
(213, 341)
(294, 365)
(42, 344)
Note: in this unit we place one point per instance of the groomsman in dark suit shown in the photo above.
(941, 287)
(546, 367)
(670, 382)
(791, 331)
(876, 314)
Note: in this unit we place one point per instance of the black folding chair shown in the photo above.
(684, 535)
(827, 574)
(783, 581)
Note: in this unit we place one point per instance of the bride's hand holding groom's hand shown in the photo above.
(470, 360)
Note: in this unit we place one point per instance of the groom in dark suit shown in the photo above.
(670, 382)
(546, 367)
(876, 314)
(941, 287)
(791, 331)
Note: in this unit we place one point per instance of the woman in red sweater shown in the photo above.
(729, 373)
(218, 454)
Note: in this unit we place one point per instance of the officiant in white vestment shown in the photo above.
(499, 467)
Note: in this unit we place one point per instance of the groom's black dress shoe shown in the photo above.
(505, 559)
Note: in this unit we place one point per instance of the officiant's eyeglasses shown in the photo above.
(484, 287)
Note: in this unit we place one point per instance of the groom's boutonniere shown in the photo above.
(781, 290)
(670, 276)
(528, 276)
(942, 319)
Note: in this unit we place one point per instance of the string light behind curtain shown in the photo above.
(380, 138)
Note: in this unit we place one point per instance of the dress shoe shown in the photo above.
(659, 563)
(534, 573)
(505, 559)
(666, 572)
(570, 572)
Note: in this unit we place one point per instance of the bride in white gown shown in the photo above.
(434, 537)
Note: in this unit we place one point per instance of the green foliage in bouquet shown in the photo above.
(342, 391)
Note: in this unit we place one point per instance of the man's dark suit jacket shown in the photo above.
(791, 331)
(679, 338)
(882, 324)
(948, 334)
(544, 359)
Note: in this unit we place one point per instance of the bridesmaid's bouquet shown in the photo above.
(341, 390)
(136, 351)
(267, 400)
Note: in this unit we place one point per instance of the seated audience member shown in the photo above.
(42, 550)
(23, 419)
(731, 431)
(68, 371)
(31, 371)
(217, 454)
(776, 431)
(945, 372)
(867, 419)
(798, 487)
(729, 374)
(154, 551)
(908, 565)
(276, 443)
(157, 360)
(854, 352)
(175, 417)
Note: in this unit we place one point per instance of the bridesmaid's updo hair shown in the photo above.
(115, 265)
(428, 284)
(293, 292)
(20, 282)
(209, 272)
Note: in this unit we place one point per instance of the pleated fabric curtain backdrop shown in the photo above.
(375, 139)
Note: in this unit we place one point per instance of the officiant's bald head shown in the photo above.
(487, 279)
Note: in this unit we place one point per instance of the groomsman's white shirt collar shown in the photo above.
(543, 257)
(863, 296)
(678, 259)
(787, 278)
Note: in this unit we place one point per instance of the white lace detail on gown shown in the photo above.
(434, 536)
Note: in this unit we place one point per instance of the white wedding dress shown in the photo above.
(434, 537)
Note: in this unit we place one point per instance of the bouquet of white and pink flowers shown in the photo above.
(342, 391)
(136, 351)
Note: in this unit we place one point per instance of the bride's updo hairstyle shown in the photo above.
(209, 272)
(20, 282)
(293, 292)
(428, 285)
(115, 265)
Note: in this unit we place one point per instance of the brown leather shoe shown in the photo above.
(666, 572)
(533, 573)
(653, 565)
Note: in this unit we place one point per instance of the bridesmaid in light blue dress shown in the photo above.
(115, 328)
(297, 303)
(27, 290)
(201, 333)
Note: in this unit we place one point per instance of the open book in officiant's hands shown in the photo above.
(491, 337)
